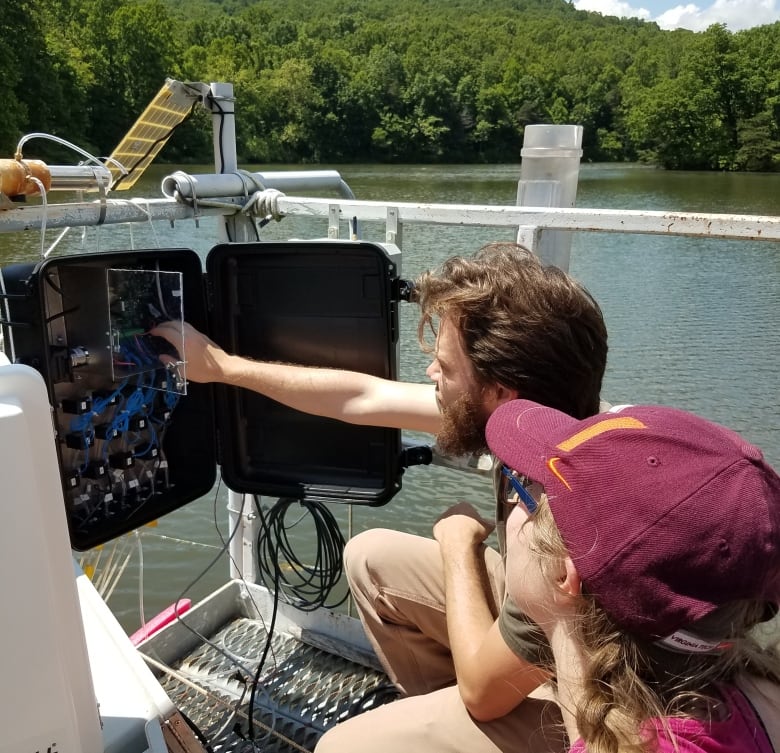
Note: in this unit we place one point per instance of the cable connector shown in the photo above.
(419, 455)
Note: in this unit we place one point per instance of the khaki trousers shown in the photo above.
(397, 582)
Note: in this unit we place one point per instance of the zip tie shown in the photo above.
(247, 177)
(102, 193)
(139, 201)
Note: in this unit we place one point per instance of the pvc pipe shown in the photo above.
(548, 178)
(236, 184)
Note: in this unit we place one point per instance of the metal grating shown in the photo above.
(303, 689)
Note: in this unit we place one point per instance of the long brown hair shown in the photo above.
(523, 325)
(628, 681)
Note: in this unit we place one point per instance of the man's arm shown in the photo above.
(492, 679)
(349, 396)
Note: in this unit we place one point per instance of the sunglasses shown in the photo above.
(517, 484)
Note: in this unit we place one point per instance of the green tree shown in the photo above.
(42, 90)
(759, 144)
(340, 80)
(16, 23)
(285, 104)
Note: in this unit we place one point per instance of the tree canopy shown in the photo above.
(400, 81)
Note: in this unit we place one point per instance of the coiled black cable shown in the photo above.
(306, 586)
(312, 584)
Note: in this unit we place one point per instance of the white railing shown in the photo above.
(539, 219)
(395, 214)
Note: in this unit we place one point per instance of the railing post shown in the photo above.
(243, 527)
(548, 178)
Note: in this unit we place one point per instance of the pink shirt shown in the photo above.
(742, 732)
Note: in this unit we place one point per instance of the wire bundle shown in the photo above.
(305, 586)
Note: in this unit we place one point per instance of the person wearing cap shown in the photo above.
(505, 326)
(645, 543)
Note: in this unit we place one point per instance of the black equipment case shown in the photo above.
(132, 446)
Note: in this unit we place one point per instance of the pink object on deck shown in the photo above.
(158, 622)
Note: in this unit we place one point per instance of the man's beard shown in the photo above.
(463, 426)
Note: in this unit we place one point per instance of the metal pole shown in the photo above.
(236, 227)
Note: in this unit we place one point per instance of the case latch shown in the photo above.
(402, 290)
(417, 455)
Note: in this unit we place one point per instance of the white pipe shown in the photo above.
(110, 212)
(223, 121)
(745, 227)
(223, 108)
(242, 184)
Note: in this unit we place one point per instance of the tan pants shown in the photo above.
(397, 582)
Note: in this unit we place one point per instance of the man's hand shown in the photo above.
(204, 358)
(350, 396)
(461, 526)
(492, 679)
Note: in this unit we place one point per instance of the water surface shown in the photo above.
(692, 323)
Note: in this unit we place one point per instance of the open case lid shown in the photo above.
(132, 448)
(314, 303)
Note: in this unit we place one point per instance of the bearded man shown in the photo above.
(505, 326)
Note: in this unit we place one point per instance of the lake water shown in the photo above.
(692, 323)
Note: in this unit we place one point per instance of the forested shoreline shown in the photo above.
(394, 80)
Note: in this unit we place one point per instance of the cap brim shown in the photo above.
(521, 434)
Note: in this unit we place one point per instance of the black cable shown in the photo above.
(314, 582)
(218, 106)
(52, 317)
(47, 279)
(270, 632)
(305, 586)
(194, 727)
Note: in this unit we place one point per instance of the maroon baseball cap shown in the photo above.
(665, 515)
